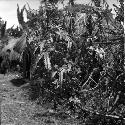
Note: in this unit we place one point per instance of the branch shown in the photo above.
(101, 114)
(87, 80)
(122, 74)
(112, 41)
(90, 77)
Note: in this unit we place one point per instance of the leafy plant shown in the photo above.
(76, 57)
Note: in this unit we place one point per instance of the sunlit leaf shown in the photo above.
(47, 61)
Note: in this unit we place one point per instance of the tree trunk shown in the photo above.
(26, 63)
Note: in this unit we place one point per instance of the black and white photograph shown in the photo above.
(62, 62)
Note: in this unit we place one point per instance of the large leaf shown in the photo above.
(61, 74)
(20, 44)
(47, 60)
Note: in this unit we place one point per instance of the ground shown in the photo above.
(17, 109)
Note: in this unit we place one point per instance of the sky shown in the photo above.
(8, 8)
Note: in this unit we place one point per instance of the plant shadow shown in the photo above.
(18, 82)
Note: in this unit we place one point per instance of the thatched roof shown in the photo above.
(10, 45)
(16, 45)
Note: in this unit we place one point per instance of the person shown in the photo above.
(5, 65)
(1, 59)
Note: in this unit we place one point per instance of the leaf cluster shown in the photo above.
(75, 58)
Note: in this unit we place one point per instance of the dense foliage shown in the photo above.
(77, 58)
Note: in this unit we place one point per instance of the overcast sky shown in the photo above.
(8, 8)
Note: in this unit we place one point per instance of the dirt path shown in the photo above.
(15, 108)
